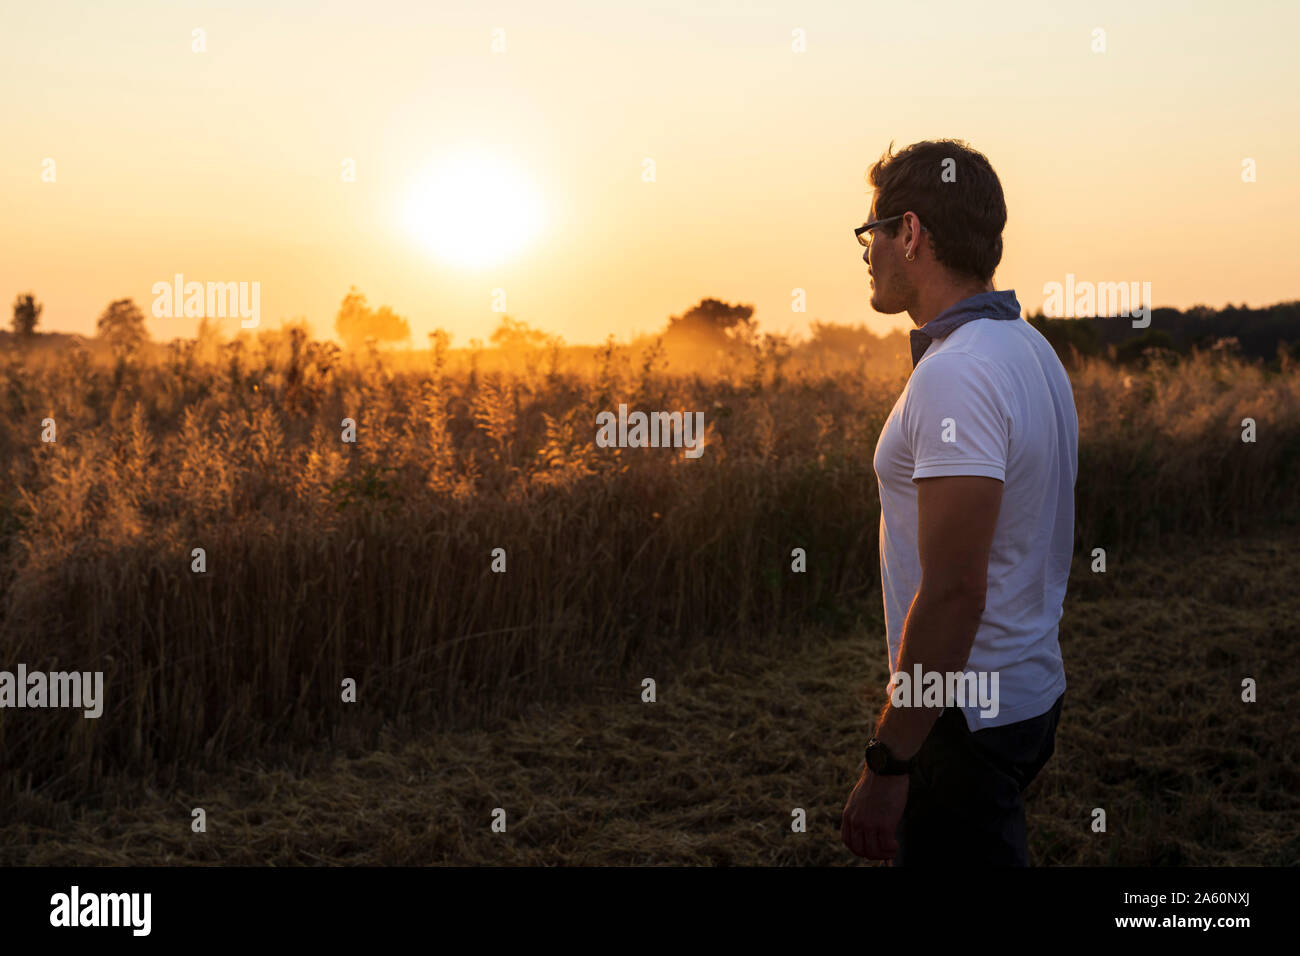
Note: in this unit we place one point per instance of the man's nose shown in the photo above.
(866, 255)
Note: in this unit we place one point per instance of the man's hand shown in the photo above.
(872, 815)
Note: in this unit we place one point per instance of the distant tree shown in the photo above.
(27, 312)
(207, 338)
(1152, 340)
(356, 322)
(841, 339)
(712, 322)
(122, 325)
(512, 335)
(1068, 337)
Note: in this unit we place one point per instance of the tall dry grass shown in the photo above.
(371, 561)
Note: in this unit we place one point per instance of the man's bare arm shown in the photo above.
(956, 517)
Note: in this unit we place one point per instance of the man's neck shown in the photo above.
(942, 299)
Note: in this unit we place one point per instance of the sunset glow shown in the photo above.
(629, 160)
(474, 210)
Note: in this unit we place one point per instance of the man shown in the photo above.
(976, 466)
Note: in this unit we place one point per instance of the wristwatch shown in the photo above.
(881, 761)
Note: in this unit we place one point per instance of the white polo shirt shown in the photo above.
(989, 398)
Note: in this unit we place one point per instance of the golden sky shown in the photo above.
(228, 164)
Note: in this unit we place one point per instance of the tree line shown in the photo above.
(712, 324)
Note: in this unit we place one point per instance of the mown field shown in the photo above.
(372, 561)
(1153, 732)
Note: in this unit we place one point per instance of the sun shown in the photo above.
(474, 209)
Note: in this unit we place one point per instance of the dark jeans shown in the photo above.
(965, 804)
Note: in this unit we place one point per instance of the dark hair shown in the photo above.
(963, 210)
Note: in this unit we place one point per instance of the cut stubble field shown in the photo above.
(1154, 732)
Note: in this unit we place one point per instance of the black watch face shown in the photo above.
(875, 758)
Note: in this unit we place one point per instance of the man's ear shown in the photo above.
(911, 228)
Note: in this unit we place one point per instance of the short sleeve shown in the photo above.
(956, 418)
